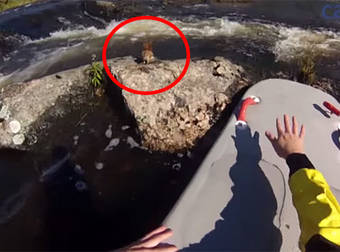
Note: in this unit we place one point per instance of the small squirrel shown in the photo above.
(147, 53)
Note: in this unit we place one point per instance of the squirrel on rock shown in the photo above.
(147, 54)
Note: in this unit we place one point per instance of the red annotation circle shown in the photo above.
(158, 91)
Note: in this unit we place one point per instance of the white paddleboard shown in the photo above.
(239, 199)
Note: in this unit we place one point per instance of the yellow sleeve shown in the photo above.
(317, 207)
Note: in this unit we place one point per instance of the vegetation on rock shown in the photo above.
(306, 64)
(96, 76)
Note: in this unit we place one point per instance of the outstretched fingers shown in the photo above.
(279, 127)
(302, 132)
(295, 126)
(286, 122)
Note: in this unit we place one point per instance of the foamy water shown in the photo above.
(294, 42)
(289, 41)
(286, 43)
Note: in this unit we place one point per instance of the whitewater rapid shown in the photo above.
(285, 42)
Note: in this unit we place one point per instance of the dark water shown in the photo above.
(46, 204)
(131, 195)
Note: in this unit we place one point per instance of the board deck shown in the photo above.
(239, 199)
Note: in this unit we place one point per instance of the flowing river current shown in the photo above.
(91, 199)
(58, 35)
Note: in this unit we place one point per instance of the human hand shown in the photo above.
(152, 242)
(289, 140)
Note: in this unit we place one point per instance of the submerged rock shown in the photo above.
(114, 10)
(103, 9)
(175, 119)
(9, 42)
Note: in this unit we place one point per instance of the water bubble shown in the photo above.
(108, 132)
(81, 186)
(176, 166)
(132, 142)
(75, 140)
(99, 166)
(125, 127)
(79, 170)
(113, 143)
(180, 155)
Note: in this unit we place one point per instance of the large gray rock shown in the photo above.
(104, 9)
(109, 10)
(175, 119)
(27, 102)
(170, 121)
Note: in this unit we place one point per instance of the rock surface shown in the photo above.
(169, 121)
(103, 9)
(117, 10)
(175, 119)
(26, 102)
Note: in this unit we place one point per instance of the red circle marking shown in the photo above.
(158, 91)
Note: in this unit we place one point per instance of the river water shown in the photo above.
(102, 209)
(58, 35)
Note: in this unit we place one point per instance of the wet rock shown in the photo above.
(103, 9)
(113, 10)
(169, 121)
(9, 42)
(175, 119)
(27, 102)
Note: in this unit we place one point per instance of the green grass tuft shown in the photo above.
(96, 74)
(306, 63)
